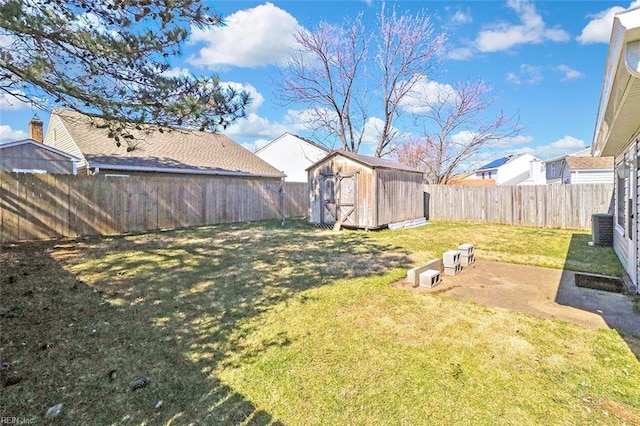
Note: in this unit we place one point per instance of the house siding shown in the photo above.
(625, 238)
(30, 156)
(58, 137)
(553, 171)
(592, 176)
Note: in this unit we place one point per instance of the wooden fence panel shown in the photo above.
(550, 206)
(49, 206)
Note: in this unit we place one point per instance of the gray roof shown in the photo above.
(372, 162)
(172, 150)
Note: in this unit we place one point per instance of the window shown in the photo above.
(553, 170)
(622, 183)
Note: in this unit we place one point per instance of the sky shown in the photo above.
(544, 60)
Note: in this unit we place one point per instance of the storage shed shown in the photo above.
(359, 191)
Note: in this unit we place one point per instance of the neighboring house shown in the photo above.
(587, 170)
(555, 167)
(510, 170)
(364, 192)
(175, 152)
(617, 133)
(537, 173)
(292, 154)
(32, 156)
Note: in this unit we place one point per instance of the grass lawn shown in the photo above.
(260, 324)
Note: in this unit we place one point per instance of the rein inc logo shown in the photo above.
(12, 420)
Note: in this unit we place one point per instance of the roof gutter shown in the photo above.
(99, 166)
(621, 49)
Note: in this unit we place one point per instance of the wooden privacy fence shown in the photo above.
(34, 207)
(548, 206)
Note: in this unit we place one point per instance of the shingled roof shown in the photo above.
(172, 150)
(371, 162)
(589, 163)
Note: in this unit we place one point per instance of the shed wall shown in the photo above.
(400, 196)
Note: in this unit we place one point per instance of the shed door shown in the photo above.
(339, 199)
(347, 199)
(329, 210)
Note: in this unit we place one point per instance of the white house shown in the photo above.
(617, 133)
(292, 155)
(587, 170)
(511, 170)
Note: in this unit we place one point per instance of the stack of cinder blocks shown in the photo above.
(467, 256)
(427, 275)
(451, 262)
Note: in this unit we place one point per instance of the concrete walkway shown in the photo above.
(548, 293)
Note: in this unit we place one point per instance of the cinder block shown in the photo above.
(429, 278)
(451, 258)
(466, 250)
(413, 275)
(467, 260)
(455, 270)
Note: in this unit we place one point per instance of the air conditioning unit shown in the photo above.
(602, 229)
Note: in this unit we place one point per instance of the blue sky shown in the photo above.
(545, 60)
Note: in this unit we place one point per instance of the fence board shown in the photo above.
(550, 206)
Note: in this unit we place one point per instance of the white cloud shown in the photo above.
(6, 40)
(514, 141)
(177, 72)
(256, 97)
(253, 37)
(255, 126)
(427, 92)
(256, 145)
(9, 134)
(531, 30)
(528, 74)
(563, 146)
(10, 102)
(461, 17)
(460, 53)
(598, 30)
(569, 73)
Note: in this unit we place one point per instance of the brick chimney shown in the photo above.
(35, 129)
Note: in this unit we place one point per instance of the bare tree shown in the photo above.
(455, 127)
(347, 74)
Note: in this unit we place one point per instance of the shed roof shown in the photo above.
(172, 150)
(590, 163)
(371, 162)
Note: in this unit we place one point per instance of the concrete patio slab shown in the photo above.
(545, 292)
